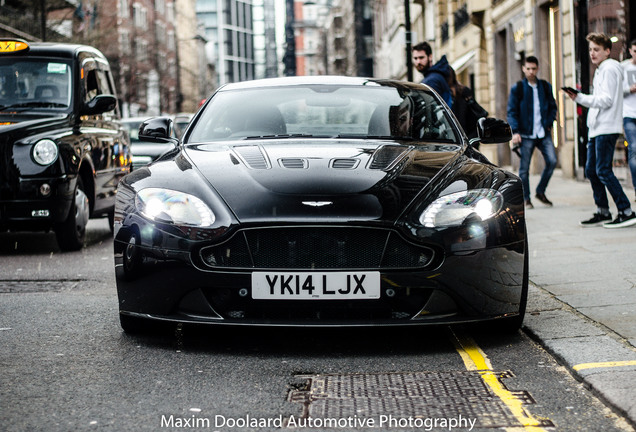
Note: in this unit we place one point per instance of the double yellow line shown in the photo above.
(608, 364)
(476, 360)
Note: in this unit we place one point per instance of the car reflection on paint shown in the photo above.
(321, 201)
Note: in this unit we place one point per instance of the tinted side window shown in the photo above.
(104, 83)
(91, 83)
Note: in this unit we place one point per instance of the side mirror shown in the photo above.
(493, 131)
(99, 104)
(157, 129)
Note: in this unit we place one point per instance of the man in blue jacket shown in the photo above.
(531, 112)
(435, 75)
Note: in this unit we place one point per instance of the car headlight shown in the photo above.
(45, 152)
(452, 210)
(165, 205)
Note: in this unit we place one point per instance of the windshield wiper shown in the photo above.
(34, 104)
(382, 137)
(275, 136)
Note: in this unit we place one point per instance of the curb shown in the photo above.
(592, 353)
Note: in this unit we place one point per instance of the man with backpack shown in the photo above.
(531, 112)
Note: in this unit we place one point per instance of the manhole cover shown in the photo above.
(416, 395)
(30, 286)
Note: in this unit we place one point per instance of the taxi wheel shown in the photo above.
(70, 234)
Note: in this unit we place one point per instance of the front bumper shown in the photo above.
(25, 207)
(465, 287)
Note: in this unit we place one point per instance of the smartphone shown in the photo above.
(569, 90)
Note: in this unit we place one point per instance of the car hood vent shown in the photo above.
(253, 156)
(387, 156)
(293, 163)
(344, 163)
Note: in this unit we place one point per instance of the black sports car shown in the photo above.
(321, 201)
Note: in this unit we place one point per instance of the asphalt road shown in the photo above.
(65, 365)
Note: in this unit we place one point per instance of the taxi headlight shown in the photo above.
(454, 209)
(169, 206)
(45, 152)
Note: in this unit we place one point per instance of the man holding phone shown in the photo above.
(629, 108)
(604, 122)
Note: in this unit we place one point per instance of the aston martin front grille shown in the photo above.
(314, 247)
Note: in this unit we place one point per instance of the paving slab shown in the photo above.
(582, 297)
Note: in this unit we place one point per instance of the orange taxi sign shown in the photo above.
(13, 46)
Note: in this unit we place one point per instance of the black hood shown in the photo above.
(21, 125)
(345, 180)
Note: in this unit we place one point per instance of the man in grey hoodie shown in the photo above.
(605, 124)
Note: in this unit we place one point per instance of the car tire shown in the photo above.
(132, 258)
(134, 325)
(513, 324)
(71, 233)
(111, 221)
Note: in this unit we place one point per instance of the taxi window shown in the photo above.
(92, 85)
(44, 83)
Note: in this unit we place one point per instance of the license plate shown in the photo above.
(315, 286)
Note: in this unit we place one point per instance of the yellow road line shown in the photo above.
(476, 360)
(607, 364)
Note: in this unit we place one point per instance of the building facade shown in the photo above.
(265, 48)
(329, 37)
(195, 70)
(229, 27)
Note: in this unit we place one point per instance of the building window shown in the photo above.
(444, 31)
(122, 9)
(172, 46)
(461, 18)
(160, 6)
(140, 16)
(124, 42)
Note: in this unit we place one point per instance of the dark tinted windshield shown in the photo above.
(324, 111)
(35, 83)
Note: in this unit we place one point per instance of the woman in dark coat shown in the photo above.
(462, 100)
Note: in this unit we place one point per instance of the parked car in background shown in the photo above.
(180, 122)
(321, 201)
(143, 152)
(62, 148)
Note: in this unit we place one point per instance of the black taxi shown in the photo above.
(62, 147)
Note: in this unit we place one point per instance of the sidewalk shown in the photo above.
(582, 300)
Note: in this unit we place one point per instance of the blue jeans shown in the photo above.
(598, 169)
(629, 124)
(546, 147)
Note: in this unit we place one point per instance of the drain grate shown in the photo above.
(449, 395)
(33, 286)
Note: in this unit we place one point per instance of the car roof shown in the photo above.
(57, 49)
(319, 80)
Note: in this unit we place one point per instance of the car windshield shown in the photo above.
(35, 83)
(324, 111)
